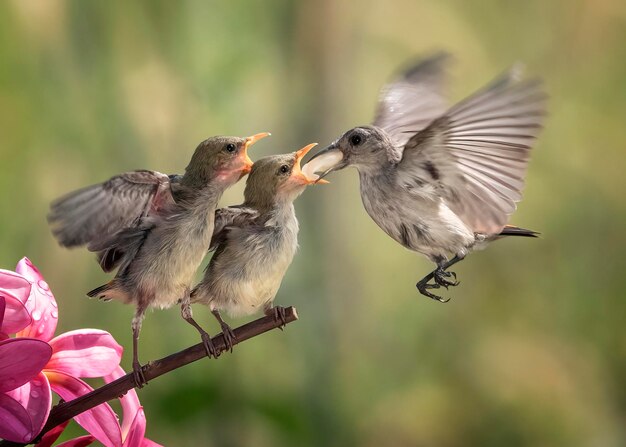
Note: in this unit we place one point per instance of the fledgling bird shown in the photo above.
(155, 229)
(255, 242)
(442, 182)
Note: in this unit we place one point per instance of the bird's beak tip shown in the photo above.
(249, 141)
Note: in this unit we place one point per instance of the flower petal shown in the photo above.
(15, 284)
(36, 398)
(130, 402)
(85, 353)
(137, 430)
(100, 421)
(40, 303)
(21, 359)
(78, 442)
(15, 424)
(52, 435)
(15, 317)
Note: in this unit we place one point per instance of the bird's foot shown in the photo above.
(209, 347)
(138, 375)
(440, 279)
(280, 316)
(229, 336)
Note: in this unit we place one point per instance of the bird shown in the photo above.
(155, 229)
(255, 242)
(440, 180)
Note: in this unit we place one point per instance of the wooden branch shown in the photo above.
(67, 410)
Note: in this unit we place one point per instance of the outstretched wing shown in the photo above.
(413, 100)
(229, 217)
(475, 156)
(95, 213)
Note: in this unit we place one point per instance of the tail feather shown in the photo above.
(99, 291)
(510, 230)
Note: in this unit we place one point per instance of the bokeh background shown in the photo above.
(531, 351)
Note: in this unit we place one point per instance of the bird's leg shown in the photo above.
(229, 335)
(440, 277)
(278, 312)
(140, 379)
(187, 314)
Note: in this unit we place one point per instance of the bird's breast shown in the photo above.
(248, 272)
(416, 220)
(171, 256)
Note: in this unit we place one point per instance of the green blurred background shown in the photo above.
(531, 351)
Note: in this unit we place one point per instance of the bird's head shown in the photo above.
(221, 159)
(364, 147)
(278, 179)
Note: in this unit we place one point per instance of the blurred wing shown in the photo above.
(121, 248)
(229, 217)
(476, 155)
(414, 100)
(97, 212)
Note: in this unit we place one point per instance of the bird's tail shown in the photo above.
(100, 292)
(510, 230)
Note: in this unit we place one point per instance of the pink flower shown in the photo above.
(21, 360)
(48, 439)
(79, 353)
(133, 426)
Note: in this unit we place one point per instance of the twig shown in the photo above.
(67, 410)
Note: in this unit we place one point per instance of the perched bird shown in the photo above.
(255, 242)
(442, 182)
(155, 229)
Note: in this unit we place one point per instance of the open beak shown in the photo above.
(247, 142)
(305, 177)
(326, 161)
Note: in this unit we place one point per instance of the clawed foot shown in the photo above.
(280, 316)
(440, 278)
(140, 378)
(229, 336)
(209, 347)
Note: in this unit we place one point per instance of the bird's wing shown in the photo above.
(120, 249)
(413, 100)
(228, 218)
(475, 156)
(95, 213)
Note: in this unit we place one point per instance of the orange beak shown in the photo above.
(249, 141)
(298, 174)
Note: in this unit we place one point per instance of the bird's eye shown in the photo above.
(230, 147)
(284, 169)
(356, 139)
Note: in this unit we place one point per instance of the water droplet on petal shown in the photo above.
(41, 329)
(54, 314)
(28, 436)
(36, 315)
(53, 302)
(43, 286)
(34, 394)
(35, 382)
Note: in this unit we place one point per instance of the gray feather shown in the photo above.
(481, 148)
(97, 212)
(414, 99)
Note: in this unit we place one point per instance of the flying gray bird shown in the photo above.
(442, 182)
(255, 242)
(155, 229)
